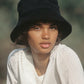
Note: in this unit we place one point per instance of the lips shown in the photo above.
(45, 45)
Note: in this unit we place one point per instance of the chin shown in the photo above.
(45, 51)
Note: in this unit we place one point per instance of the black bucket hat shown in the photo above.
(37, 10)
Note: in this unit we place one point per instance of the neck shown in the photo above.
(41, 62)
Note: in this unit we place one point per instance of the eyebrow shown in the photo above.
(40, 24)
(53, 24)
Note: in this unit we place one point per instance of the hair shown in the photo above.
(23, 37)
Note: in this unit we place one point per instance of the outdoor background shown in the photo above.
(72, 10)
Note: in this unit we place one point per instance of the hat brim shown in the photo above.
(64, 28)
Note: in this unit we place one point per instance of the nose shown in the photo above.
(45, 34)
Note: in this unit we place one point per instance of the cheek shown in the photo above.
(33, 43)
(32, 39)
(54, 36)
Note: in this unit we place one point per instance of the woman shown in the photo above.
(44, 60)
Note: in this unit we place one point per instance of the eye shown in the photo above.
(52, 27)
(37, 28)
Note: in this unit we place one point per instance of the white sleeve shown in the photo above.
(76, 70)
(11, 79)
(12, 70)
(76, 73)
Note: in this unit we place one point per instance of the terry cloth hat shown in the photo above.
(35, 10)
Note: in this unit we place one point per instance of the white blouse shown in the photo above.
(41, 78)
(64, 67)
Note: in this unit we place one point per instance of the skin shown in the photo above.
(41, 39)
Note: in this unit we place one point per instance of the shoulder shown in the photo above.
(64, 50)
(69, 64)
(15, 55)
(69, 57)
(66, 55)
(67, 51)
(64, 47)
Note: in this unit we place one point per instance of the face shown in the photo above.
(42, 37)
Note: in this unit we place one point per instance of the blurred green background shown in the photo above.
(72, 10)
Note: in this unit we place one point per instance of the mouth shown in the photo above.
(45, 45)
